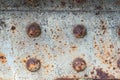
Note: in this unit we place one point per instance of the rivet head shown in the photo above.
(33, 30)
(33, 64)
(79, 31)
(79, 64)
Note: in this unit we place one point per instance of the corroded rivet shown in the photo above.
(79, 31)
(79, 64)
(33, 30)
(118, 63)
(33, 64)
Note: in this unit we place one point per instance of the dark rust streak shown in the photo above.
(103, 75)
(2, 57)
(118, 63)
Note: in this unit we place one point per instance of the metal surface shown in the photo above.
(57, 47)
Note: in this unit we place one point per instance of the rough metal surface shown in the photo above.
(57, 46)
(45, 5)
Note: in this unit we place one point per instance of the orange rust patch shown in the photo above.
(3, 58)
(73, 48)
(104, 50)
(96, 46)
(24, 60)
(111, 46)
(48, 68)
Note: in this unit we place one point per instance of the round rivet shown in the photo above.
(79, 64)
(33, 30)
(79, 31)
(33, 64)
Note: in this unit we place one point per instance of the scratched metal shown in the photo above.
(57, 47)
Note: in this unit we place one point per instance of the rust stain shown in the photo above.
(118, 51)
(59, 29)
(111, 46)
(66, 79)
(79, 1)
(3, 58)
(105, 52)
(37, 46)
(24, 60)
(118, 31)
(103, 27)
(117, 2)
(1, 78)
(103, 75)
(48, 68)
(73, 48)
(63, 3)
(96, 46)
(31, 2)
(51, 31)
(85, 75)
(13, 28)
(118, 63)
